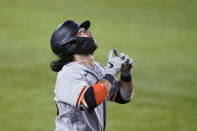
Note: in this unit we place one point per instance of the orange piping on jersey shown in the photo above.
(100, 92)
(84, 102)
(80, 95)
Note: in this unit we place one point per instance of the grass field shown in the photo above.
(160, 36)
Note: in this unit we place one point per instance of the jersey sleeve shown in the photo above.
(70, 87)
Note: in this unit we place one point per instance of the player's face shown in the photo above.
(86, 33)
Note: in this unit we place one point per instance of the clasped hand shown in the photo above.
(119, 63)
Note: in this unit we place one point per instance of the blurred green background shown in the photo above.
(160, 36)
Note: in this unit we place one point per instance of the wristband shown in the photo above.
(126, 78)
(110, 78)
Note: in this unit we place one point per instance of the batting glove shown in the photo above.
(114, 64)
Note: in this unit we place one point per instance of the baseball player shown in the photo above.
(83, 86)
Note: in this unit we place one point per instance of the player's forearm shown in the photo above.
(106, 83)
(126, 88)
(126, 83)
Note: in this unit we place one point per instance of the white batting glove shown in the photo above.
(127, 66)
(114, 64)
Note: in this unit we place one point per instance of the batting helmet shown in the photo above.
(63, 38)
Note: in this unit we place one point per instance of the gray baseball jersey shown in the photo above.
(72, 81)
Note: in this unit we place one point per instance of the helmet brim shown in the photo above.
(85, 25)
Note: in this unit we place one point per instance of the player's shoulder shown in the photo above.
(68, 70)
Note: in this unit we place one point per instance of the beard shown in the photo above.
(93, 49)
(88, 51)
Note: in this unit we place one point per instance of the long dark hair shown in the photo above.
(57, 65)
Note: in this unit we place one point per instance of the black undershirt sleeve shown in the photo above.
(119, 99)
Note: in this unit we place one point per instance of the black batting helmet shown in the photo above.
(63, 38)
